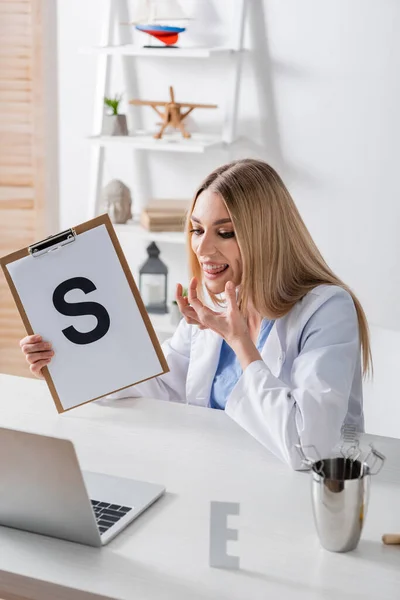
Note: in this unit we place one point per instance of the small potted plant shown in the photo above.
(176, 314)
(114, 123)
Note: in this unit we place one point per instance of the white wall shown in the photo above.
(325, 76)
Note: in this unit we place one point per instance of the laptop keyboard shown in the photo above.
(108, 514)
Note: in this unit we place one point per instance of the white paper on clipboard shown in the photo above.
(124, 355)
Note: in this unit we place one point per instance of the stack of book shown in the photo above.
(164, 215)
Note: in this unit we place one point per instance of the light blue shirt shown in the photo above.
(229, 370)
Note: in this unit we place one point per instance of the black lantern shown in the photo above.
(153, 282)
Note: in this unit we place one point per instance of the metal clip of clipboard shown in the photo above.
(53, 242)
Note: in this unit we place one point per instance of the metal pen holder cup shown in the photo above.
(340, 488)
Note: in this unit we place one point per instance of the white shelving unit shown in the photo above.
(141, 142)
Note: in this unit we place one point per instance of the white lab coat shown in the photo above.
(307, 385)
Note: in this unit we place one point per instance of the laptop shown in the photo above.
(43, 490)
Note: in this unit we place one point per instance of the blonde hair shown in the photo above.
(281, 262)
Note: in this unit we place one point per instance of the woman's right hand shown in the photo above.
(37, 352)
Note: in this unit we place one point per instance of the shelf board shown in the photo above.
(134, 50)
(134, 229)
(170, 142)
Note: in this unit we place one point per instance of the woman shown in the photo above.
(282, 352)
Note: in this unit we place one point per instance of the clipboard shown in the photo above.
(112, 345)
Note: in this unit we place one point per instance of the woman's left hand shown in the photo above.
(230, 325)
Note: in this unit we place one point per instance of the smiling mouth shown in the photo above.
(214, 269)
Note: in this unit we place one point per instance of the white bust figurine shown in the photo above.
(117, 201)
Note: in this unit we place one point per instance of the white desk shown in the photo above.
(200, 455)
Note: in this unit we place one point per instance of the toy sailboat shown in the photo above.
(149, 15)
